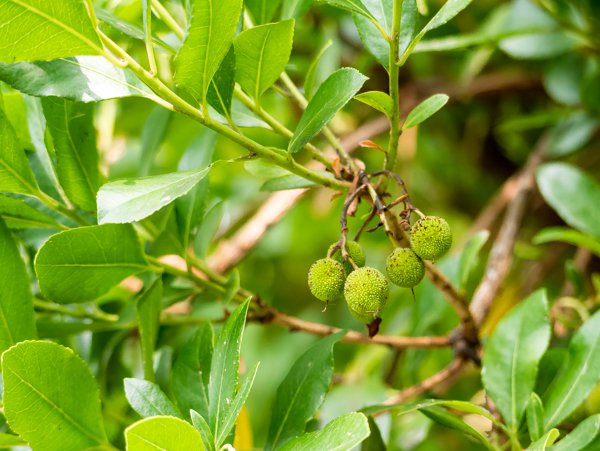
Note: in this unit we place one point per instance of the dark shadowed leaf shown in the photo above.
(220, 90)
(18, 214)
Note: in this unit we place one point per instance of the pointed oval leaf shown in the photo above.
(535, 417)
(446, 13)
(424, 110)
(567, 235)
(45, 387)
(64, 28)
(578, 375)
(81, 78)
(341, 434)
(148, 399)
(573, 194)
(130, 200)
(202, 426)
(381, 101)
(15, 173)
(81, 264)
(584, 434)
(17, 318)
(209, 37)
(311, 73)
(512, 355)
(18, 214)
(220, 90)
(302, 391)
(262, 10)
(545, 441)
(261, 54)
(148, 310)
(371, 37)
(332, 95)
(164, 433)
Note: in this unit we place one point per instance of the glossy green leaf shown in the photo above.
(80, 78)
(42, 407)
(353, 6)
(162, 433)
(64, 28)
(224, 369)
(441, 416)
(567, 235)
(331, 96)
(535, 417)
(262, 10)
(220, 90)
(293, 9)
(148, 310)
(81, 264)
(74, 137)
(470, 256)
(261, 54)
(9, 440)
(202, 426)
(371, 37)
(408, 24)
(130, 200)
(446, 13)
(341, 434)
(311, 73)
(302, 391)
(147, 399)
(545, 441)
(16, 302)
(578, 375)
(191, 372)
(381, 101)
(15, 173)
(512, 355)
(235, 408)
(424, 110)
(18, 214)
(585, 433)
(573, 194)
(209, 37)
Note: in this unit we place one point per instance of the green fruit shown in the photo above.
(326, 279)
(431, 237)
(366, 291)
(354, 251)
(404, 267)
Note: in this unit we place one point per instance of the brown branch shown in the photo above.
(501, 255)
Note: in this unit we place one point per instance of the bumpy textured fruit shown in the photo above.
(366, 292)
(354, 251)
(326, 279)
(404, 267)
(431, 237)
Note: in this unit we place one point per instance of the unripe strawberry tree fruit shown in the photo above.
(326, 279)
(366, 292)
(404, 267)
(355, 252)
(431, 237)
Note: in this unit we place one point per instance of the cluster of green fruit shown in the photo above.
(365, 288)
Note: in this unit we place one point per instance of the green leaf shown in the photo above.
(567, 235)
(584, 434)
(535, 417)
(261, 54)
(470, 256)
(293, 9)
(290, 181)
(374, 441)
(74, 136)
(380, 11)
(153, 135)
(148, 310)
(573, 194)
(162, 433)
(130, 200)
(545, 441)
(209, 37)
(408, 24)
(311, 73)
(148, 399)
(9, 440)
(341, 434)
(571, 134)
(18, 214)
(220, 90)
(17, 319)
(463, 406)
(81, 264)
(512, 355)
(224, 369)
(81, 78)
(236, 407)
(353, 6)
(381, 101)
(191, 372)
(33, 30)
(302, 391)
(15, 173)
(262, 10)
(202, 426)
(331, 96)
(424, 110)
(42, 407)
(446, 13)
(444, 418)
(578, 375)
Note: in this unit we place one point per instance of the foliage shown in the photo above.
(151, 279)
